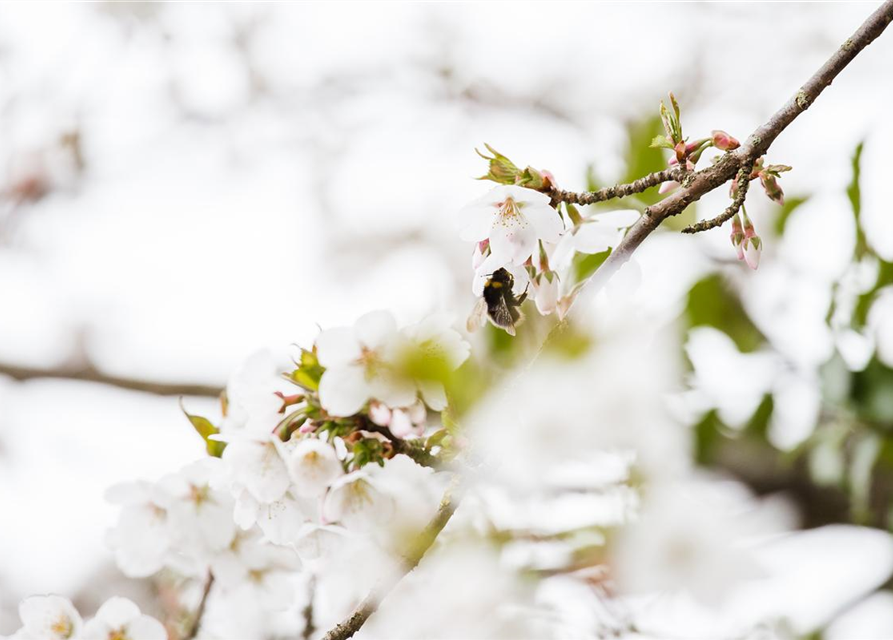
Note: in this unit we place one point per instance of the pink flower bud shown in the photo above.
(737, 237)
(771, 187)
(753, 244)
(380, 414)
(723, 141)
(680, 150)
(753, 247)
(667, 186)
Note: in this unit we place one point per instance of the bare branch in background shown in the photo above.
(91, 374)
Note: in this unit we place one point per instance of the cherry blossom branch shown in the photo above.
(619, 190)
(415, 449)
(368, 605)
(743, 180)
(708, 179)
(200, 611)
(91, 374)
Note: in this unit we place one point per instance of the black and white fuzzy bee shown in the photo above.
(498, 303)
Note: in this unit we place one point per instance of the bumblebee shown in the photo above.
(499, 303)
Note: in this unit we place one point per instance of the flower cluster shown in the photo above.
(301, 464)
(517, 229)
(55, 618)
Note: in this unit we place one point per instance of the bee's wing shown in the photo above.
(501, 316)
(478, 316)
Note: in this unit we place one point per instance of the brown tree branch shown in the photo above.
(413, 556)
(618, 190)
(200, 611)
(743, 179)
(708, 179)
(91, 374)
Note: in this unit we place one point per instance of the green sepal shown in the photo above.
(205, 429)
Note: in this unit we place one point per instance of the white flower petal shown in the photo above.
(336, 347)
(475, 220)
(394, 391)
(620, 219)
(313, 466)
(258, 467)
(595, 237)
(116, 612)
(548, 224)
(374, 329)
(146, 628)
(434, 396)
(344, 390)
(50, 618)
(512, 238)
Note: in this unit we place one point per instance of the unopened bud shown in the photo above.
(723, 141)
(502, 170)
(753, 244)
(737, 236)
(771, 187)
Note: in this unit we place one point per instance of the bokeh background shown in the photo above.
(183, 184)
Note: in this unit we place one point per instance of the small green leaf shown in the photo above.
(661, 142)
(854, 193)
(205, 429)
(309, 372)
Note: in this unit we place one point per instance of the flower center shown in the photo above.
(63, 627)
(508, 208)
(371, 362)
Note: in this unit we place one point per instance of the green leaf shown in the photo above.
(641, 158)
(872, 394)
(309, 371)
(661, 142)
(713, 303)
(790, 205)
(708, 437)
(854, 193)
(864, 301)
(205, 429)
(758, 425)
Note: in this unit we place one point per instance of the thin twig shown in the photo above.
(91, 374)
(743, 181)
(200, 611)
(757, 144)
(307, 611)
(413, 556)
(618, 190)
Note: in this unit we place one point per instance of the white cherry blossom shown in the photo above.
(49, 617)
(513, 219)
(358, 362)
(119, 618)
(201, 517)
(141, 539)
(356, 502)
(313, 466)
(251, 401)
(254, 463)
